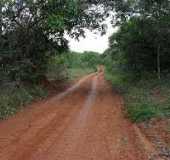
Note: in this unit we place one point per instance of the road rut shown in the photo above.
(84, 123)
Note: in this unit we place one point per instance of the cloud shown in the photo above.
(92, 42)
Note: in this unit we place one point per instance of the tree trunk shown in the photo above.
(158, 62)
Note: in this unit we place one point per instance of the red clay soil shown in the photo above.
(84, 123)
(157, 131)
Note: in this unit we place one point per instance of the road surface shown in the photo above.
(85, 122)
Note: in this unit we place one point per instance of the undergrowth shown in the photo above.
(145, 98)
(61, 68)
(13, 98)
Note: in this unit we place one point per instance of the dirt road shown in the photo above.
(84, 123)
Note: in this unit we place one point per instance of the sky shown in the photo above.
(92, 42)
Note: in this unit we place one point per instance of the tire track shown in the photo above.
(42, 126)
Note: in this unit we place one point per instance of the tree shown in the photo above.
(143, 38)
(144, 44)
(33, 31)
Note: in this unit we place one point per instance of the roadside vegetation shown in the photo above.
(14, 98)
(72, 65)
(140, 55)
(61, 69)
(145, 98)
(80, 64)
(32, 43)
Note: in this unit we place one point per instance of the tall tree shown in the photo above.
(34, 30)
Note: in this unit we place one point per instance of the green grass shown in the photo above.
(144, 99)
(13, 99)
(75, 73)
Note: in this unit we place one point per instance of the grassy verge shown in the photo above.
(13, 99)
(75, 73)
(144, 99)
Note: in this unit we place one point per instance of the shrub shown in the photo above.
(13, 98)
(144, 99)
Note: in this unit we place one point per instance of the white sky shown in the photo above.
(92, 42)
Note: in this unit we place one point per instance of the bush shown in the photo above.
(142, 111)
(145, 98)
(12, 99)
(57, 69)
